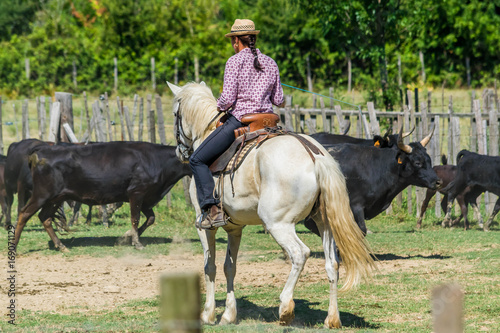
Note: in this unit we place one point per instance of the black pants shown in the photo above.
(210, 149)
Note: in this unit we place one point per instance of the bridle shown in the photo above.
(185, 144)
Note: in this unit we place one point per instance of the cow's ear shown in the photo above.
(400, 158)
(377, 143)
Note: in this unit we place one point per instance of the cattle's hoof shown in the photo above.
(123, 241)
(64, 249)
(139, 247)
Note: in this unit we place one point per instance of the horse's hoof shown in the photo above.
(333, 322)
(287, 315)
(207, 319)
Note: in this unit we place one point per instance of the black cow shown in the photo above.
(475, 174)
(447, 173)
(137, 172)
(18, 175)
(375, 176)
(387, 141)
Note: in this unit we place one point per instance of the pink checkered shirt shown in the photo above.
(248, 90)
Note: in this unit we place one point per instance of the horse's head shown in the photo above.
(194, 109)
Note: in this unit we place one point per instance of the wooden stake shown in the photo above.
(180, 302)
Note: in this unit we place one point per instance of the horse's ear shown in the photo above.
(175, 89)
(203, 83)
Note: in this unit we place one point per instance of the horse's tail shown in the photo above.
(337, 215)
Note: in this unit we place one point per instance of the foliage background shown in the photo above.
(55, 33)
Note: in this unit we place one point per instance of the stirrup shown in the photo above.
(204, 223)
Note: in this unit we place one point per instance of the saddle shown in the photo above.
(259, 128)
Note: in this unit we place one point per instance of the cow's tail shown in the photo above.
(337, 215)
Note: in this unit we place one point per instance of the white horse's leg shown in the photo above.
(207, 238)
(332, 271)
(284, 234)
(233, 245)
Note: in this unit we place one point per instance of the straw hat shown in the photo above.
(242, 27)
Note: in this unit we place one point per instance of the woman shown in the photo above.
(251, 84)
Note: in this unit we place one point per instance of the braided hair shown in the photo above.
(249, 40)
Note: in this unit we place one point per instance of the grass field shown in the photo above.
(397, 298)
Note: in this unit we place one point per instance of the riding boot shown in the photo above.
(214, 217)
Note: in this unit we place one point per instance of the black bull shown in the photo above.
(475, 174)
(375, 176)
(137, 172)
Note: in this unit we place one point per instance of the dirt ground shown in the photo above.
(66, 284)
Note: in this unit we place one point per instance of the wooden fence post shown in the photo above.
(373, 119)
(25, 121)
(134, 110)
(42, 117)
(436, 148)
(87, 116)
(479, 127)
(323, 114)
(120, 114)
(153, 77)
(409, 189)
(297, 119)
(75, 83)
(180, 303)
(447, 313)
(151, 120)
(161, 122)
(108, 117)
(288, 113)
(55, 118)
(128, 122)
(98, 122)
(141, 119)
(66, 100)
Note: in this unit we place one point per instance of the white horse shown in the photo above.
(278, 185)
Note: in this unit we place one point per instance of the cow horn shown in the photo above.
(347, 126)
(406, 148)
(426, 140)
(175, 89)
(407, 133)
(386, 135)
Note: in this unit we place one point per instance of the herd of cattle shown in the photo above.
(45, 175)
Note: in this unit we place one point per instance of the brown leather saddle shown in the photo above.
(259, 127)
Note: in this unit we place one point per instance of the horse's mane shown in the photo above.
(198, 107)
